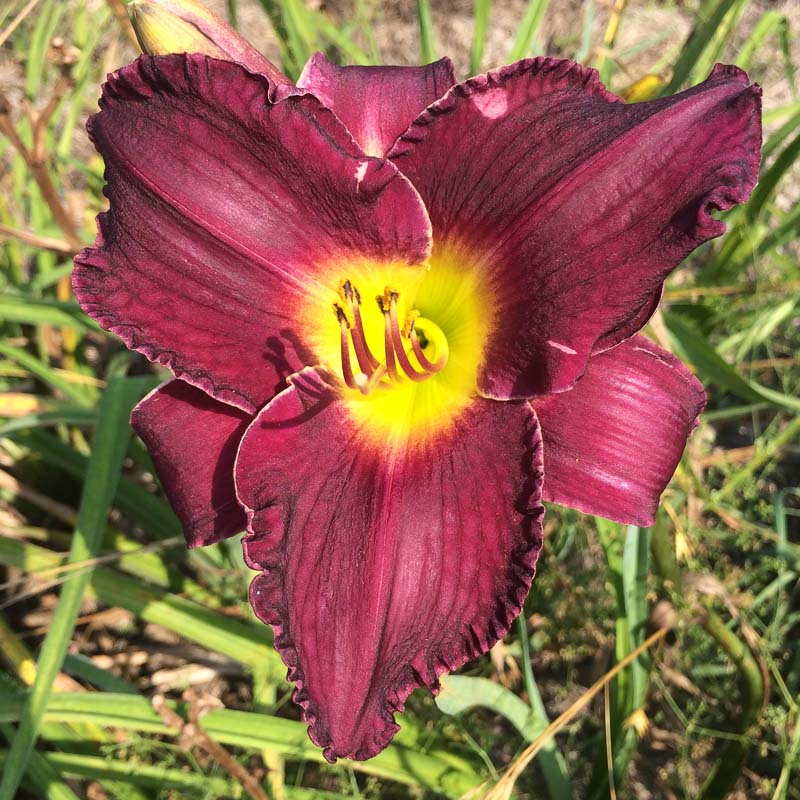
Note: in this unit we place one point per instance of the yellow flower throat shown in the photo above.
(406, 342)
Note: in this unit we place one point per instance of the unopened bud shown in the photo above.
(186, 26)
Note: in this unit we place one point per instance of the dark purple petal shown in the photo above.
(376, 103)
(612, 443)
(225, 208)
(192, 440)
(576, 204)
(384, 566)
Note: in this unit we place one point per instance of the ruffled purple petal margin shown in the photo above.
(225, 209)
(383, 569)
(577, 204)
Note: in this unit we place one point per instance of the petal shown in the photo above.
(578, 204)
(376, 103)
(612, 443)
(192, 440)
(383, 569)
(224, 208)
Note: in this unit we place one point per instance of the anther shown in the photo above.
(408, 326)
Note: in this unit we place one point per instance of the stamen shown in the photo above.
(395, 343)
(347, 369)
(399, 347)
(388, 347)
(366, 361)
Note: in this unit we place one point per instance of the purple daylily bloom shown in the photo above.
(392, 304)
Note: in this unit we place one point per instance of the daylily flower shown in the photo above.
(401, 311)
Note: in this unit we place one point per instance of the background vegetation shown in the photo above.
(102, 609)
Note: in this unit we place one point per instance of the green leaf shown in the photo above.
(523, 42)
(77, 393)
(768, 182)
(79, 765)
(338, 38)
(427, 48)
(710, 19)
(105, 464)
(253, 732)
(41, 775)
(459, 693)
(717, 43)
(690, 344)
(48, 18)
(82, 667)
(68, 415)
(248, 643)
(299, 36)
(480, 25)
(768, 22)
(776, 139)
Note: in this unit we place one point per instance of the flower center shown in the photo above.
(409, 354)
(404, 349)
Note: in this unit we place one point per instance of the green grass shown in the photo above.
(720, 695)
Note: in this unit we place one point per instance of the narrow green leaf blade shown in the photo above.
(692, 346)
(480, 26)
(440, 772)
(709, 20)
(527, 29)
(427, 49)
(38, 311)
(105, 464)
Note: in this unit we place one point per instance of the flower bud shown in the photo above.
(186, 26)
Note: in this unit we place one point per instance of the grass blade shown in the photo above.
(105, 465)
(82, 395)
(247, 643)
(523, 43)
(709, 19)
(604, 63)
(719, 40)
(427, 49)
(480, 25)
(81, 417)
(768, 22)
(691, 346)
(769, 180)
(42, 776)
(448, 775)
(36, 311)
